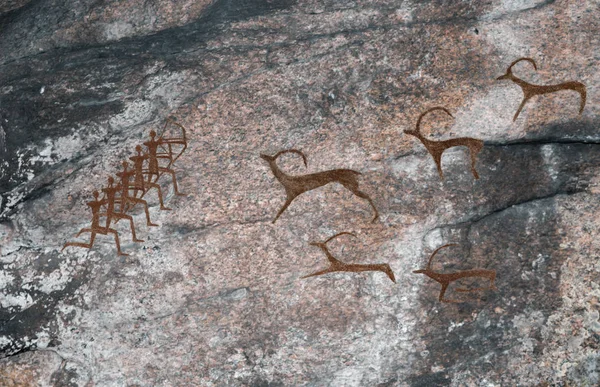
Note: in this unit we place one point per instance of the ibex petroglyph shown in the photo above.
(445, 279)
(297, 185)
(436, 148)
(531, 90)
(336, 265)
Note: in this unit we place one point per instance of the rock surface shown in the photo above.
(214, 295)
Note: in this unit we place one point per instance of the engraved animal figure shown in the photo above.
(436, 148)
(139, 184)
(96, 205)
(154, 170)
(126, 199)
(446, 279)
(531, 90)
(297, 185)
(336, 265)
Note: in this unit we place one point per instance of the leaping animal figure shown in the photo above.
(531, 90)
(445, 279)
(297, 185)
(337, 265)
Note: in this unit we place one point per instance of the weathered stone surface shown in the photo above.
(214, 296)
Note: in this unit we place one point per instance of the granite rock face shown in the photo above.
(214, 295)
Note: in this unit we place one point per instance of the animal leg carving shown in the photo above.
(283, 208)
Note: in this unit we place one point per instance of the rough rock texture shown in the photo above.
(213, 297)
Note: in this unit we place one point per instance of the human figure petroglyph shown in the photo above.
(297, 185)
(126, 199)
(531, 90)
(95, 228)
(154, 169)
(446, 279)
(337, 265)
(437, 148)
(170, 141)
(139, 183)
(110, 194)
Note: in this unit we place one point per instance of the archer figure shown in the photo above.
(127, 199)
(96, 205)
(110, 193)
(153, 168)
(139, 185)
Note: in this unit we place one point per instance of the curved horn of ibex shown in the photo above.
(530, 90)
(296, 151)
(437, 148)
(297, 185)
(337, 265)
(339, 234)
(418, 126)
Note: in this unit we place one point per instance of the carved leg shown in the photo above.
(285, 205)
(442, 292)
(145, 204)
(160, 197)
(321, 272)
(438, 162)
(110, 230)
(174, 180)
(79, 244)
(84, 230)
(473, 160)
(525, 99)
(582, 93)
(132, 227)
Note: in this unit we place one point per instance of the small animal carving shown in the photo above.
(531, 90)
(436, 148)
(96, 205)
(446, 279)
(336, 265)
(297, 185)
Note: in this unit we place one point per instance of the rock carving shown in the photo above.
(446, 279)
(530, 90)
(297, 185)
(336, 265)
(139, 184)
(436, 148)
(96, 205)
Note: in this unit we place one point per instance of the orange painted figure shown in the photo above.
(139, 184)
(337, 265)
(126, 199)
(110, 193)
(153, 168)
(445, 279)
(96, 205)
(168, 142)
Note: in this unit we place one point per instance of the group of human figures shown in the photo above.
(133, 182)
